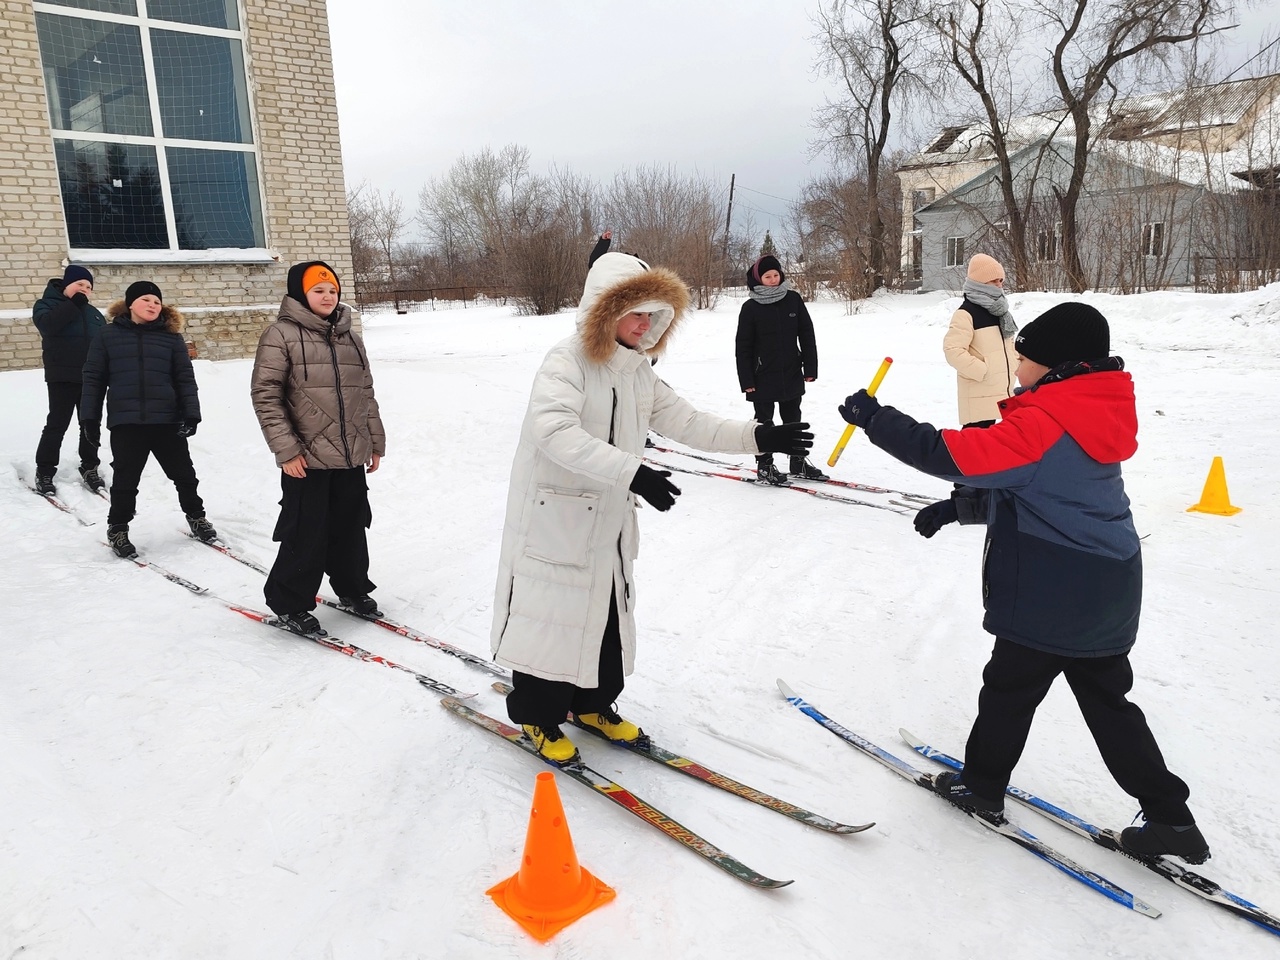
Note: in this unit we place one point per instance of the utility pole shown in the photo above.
(728, 218)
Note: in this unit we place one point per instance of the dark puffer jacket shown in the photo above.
(143, 370)
(66, 330)
(776, 349)
(313, 392)
(1062, 566)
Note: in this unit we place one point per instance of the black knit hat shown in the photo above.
(294, 285)
(1069, 331)
(140, 288)
(760, 268)
(76, 272)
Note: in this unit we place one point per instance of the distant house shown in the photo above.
(192, 142)
(1182, 189)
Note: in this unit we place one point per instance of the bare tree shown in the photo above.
(868, 46)
(386, 222)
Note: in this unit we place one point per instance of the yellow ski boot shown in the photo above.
(610, 726)
(550, 743)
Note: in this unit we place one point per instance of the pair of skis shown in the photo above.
(1110, 839)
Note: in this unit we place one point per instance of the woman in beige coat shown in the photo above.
(564, 606)
(979, 344)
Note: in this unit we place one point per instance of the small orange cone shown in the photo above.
(551, 890)
(1214, 498)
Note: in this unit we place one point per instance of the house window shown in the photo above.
(1047, 242)
(922, 196)
(150, 115)
(955, 251)
(1153, 239)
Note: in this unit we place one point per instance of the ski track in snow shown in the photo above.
(179, 782)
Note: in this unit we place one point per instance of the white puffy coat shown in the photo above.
(571, 536)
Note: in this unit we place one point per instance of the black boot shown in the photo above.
(802, 468)
(44, 483)
(766, 472)
(303, 622)
(202, 529)
(951, 787)
(1159, 839)
(118, 540)
(92, 479)
(364, 605)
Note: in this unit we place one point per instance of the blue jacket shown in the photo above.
(1062, 565)
(66, 330)
(147, 369)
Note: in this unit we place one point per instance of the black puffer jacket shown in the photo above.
(776, 349)
(147, 369)
(66, 330)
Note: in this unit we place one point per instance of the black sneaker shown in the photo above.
(92, 479)
(766, 472)
(1160, 839)
(366, 606)
(951, 788)
(303, 622)
(44, 484)
(802, 468)
(118, 540)
(202, 529)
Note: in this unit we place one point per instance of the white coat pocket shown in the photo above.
(560, 526)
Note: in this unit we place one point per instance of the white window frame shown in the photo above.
(955, 251)
(172, 254)
(1155, 240)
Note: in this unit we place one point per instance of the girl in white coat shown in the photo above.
(564, 607)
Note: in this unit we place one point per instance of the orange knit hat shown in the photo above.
(318, 273)
(985, 269)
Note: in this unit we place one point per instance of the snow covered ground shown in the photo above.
(179, 782)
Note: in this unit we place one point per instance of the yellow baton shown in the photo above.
(848, 431)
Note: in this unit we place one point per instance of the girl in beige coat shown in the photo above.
(979, 344)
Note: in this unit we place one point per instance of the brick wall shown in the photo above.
(290, 74)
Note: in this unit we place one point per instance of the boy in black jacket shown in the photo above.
(67, 322)
(152, 406)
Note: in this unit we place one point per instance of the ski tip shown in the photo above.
(1145, 909)
(910, 739)
(847, 828)
(786, 690)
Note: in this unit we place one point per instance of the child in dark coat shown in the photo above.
(67, 322)
(139, 363)
(1062, 569)
(777, 355)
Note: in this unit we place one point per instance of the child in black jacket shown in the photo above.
(140, 364)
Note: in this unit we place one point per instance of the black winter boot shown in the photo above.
(766, 472)
(92, 479)
(951, 787)
(364, 605)
(202, 529)
(802, 468)
(118, 540)
(1159, 839)
(303, 622)
(44, 484)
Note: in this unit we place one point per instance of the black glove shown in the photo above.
(654, 486)
(79, 298)
(793, 439)
(934, 517)
(188, 428)
(92, 430)
(859, 408)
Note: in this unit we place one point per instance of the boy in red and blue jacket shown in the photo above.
(1062, 565)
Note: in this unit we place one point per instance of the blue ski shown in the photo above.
(1197, 884)
(1016, 834)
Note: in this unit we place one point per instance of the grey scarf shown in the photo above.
(763, 294)
(992, 299)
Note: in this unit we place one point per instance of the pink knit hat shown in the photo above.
(985, 269)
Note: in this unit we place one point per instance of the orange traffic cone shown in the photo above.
(551, 890)
(1214, 498)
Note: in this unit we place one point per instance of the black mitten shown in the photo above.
(654, 487)
(793, 439)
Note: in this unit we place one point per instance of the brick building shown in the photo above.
(191, 142)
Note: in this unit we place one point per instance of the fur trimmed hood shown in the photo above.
(170, 319)
(618, 284)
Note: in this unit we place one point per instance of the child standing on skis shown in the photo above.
(777, 355)
(1062, 568)
(139, 363)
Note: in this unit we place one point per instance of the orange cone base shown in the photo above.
(544, 923)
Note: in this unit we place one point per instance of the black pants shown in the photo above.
(1014, 682)
(130, 447)
(321, 530)
(545, 702)
(64, 401)
(788, 410)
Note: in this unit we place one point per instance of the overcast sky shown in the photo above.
(718, 86)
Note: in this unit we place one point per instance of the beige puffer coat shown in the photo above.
(313, 392)
(571, 536)
(984, 362)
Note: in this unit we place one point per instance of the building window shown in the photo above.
(1047, 243)
(922, 196)
(1153, 239)
(955, 251)
(150, 115)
